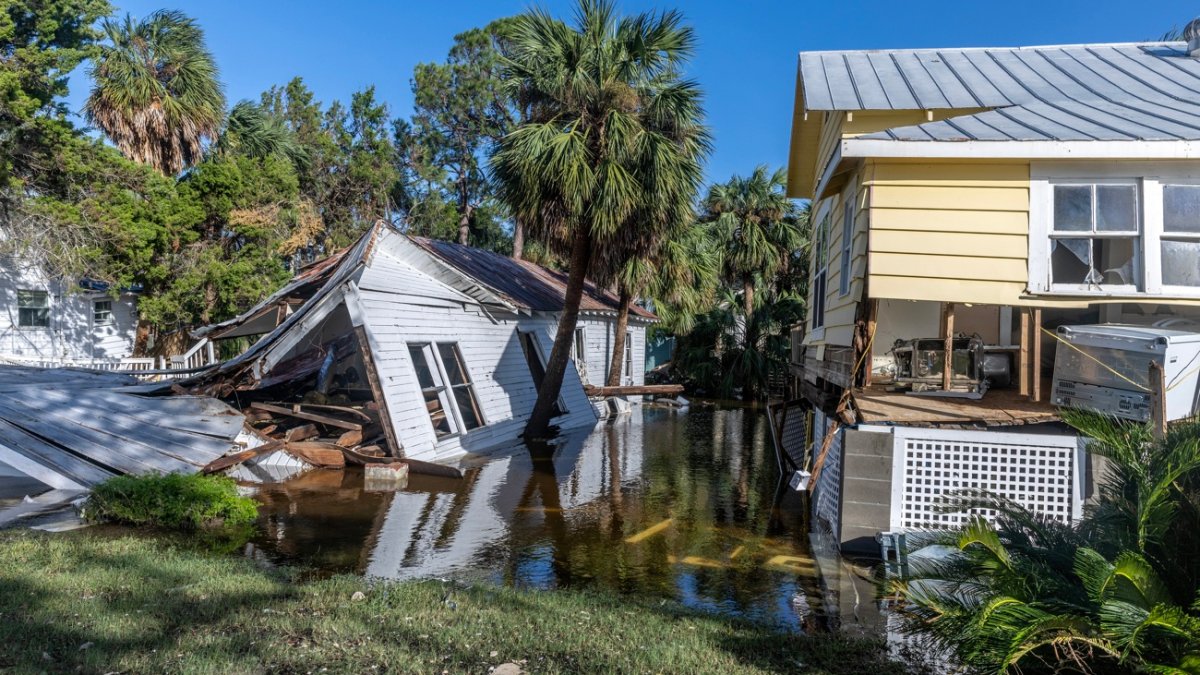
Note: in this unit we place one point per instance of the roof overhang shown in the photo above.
(878, 148)
(802, 154)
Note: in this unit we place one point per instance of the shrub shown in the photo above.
(173, 501)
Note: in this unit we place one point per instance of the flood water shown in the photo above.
(661, 503)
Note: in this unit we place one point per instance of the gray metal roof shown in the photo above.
(1113, 92)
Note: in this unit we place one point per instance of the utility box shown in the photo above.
(1106, 368)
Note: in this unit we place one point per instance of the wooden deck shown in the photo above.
(999, 407)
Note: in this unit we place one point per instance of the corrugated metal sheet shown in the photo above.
(523, 284)
(1117, 92)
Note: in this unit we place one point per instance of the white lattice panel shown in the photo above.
(1041, 472)
(827, 493)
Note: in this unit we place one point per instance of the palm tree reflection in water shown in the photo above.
(668, 504)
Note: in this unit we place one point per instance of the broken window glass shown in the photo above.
(1102, 259)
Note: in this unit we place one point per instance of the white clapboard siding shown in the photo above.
(400, 305)
(71, 333)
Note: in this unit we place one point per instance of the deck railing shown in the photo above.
(198, 357)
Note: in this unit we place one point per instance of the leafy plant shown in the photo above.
(1117, 592)
(172, 501)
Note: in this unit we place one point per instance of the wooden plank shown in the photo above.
(310, 417)
(634, 390)
(872, 327)
(318, 453)
(1035, 335)
(433, 469)
(239, 457)
(1158, 401)
(350, 439)
(947, 345)
(1023, 355)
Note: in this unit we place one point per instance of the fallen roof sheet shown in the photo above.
(521, 283)
(1108, 92)
(72, 428)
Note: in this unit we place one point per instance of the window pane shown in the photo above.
(33, 299)
(1115, 261)
(1116, 208)
(102, 312)
(1073, 208)
(1181, 263)
(437, 413)
(424, 376)
(1181, 209)
(452, 361)
(468, 407)
(1070, 260)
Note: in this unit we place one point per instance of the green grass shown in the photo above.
(172, 501)
(96, 603)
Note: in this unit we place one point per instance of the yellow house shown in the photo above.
(993, 194)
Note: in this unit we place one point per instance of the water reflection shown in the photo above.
(680, 505)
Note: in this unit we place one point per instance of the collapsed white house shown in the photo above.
(447, 341)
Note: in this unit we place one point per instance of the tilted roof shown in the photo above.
(521, 283)
(1108, 92)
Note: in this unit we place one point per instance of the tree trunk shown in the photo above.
(747, 305)
(556, 367)
(464, 226)
(518, 239)
(617, 363)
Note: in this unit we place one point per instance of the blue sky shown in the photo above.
(746, 61)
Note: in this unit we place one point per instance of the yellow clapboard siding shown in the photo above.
(981, 292)
(951, 197)
(995, 222)
(961, 174)
(950, 243)
(949, 267)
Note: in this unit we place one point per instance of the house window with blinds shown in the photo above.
(446, 387)
(33, 309)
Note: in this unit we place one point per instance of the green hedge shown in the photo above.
(173, 501)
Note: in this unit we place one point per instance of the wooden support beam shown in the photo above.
(385, 416)
(634, 390)
(309, 417)
(948, 345)
(239, 457)
(1158, 401)
(1036, 336)
(872, 318)
(1023, 358)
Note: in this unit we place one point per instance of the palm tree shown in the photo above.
(610, 153)
(758, 224)
(1117, 592)
(156, 93)
(253, 131)
(680, 277)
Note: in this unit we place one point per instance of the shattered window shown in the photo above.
(1181, 235)
(433, 389)
(1095, 240)
(460, 384)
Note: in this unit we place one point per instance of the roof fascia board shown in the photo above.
(864, 148)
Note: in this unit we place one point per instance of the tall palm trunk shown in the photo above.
(518, 239)
(556, 367)
(747, 305)
(618, 353)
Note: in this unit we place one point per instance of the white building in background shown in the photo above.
(46, 319)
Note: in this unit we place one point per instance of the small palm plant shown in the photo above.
(1118, 591)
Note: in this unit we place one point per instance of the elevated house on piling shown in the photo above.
(449, 342)
(974, 212)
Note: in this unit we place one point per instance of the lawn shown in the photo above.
(99, 603)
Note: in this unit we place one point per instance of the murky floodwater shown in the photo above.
(683, 505)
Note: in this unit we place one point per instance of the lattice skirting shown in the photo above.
(1043, 472)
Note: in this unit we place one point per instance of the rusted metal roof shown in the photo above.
(521, 283)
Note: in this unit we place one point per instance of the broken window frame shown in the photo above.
(1152, 177)
(33, 309)
(1095, 233)
(445, 391)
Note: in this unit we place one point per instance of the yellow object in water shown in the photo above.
(649, 531)
(792, 563)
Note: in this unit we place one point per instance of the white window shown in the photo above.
(848, 213)
(1126, 230)
(446, 387)
(33, 309)
(102, 313)
(820, 270)
(628, 369)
